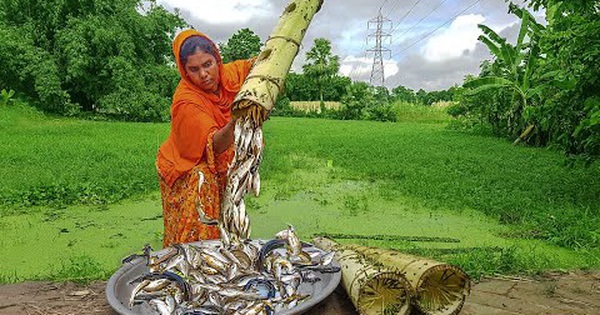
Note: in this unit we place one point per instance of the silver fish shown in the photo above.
(161, 307)
(136, 290)
(256, 184)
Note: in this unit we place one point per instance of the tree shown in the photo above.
(100, 56)
(578, 7)
(242, 45)
(403, 94)
(298, 87)
(550, 86)
(321, 64)
(517, 68)
(571, 115)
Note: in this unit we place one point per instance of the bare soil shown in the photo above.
(574, 293)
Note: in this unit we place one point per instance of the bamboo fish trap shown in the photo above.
(265, 81)
(440, 289)
(373, 289)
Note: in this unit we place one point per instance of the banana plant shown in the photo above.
(517, 67)
(6, 97)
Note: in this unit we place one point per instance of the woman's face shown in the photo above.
(202, 69)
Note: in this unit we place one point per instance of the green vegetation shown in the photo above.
(410, 112)
(322, 66)
(242, 45)
(57, 161)
(546, 87)
(97, 57)
(514, 209)
(6, 97)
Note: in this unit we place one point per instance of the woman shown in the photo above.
(199, 147)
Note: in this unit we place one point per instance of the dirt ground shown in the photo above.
(574, 293)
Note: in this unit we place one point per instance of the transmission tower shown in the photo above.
(381, 33)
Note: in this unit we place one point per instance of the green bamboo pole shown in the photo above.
(265, 81)
(373, 289)
(440, 289)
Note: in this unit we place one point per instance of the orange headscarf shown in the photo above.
(196, 114)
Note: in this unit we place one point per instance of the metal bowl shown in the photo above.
(119, 289)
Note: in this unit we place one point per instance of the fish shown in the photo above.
(263, 287)
(161, 307)
(256, 184)
(205, 310)
(137, 289)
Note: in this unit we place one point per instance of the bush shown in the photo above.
(358, 97)
(456, 110)
(383, 112)
(364, 102)
(6, 97)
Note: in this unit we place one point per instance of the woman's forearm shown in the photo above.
(223, 138)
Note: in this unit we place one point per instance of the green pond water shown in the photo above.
(48, 242)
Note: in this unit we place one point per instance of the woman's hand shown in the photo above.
(223, 138)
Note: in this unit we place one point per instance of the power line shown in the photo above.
(423, 18)
(382, 4)
(405, 15)
(436, 29)
(393, 8)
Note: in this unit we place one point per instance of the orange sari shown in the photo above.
(188, 156)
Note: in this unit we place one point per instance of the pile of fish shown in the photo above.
(252, 277)
(233, 275)
(242, 177)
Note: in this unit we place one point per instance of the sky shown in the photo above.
(433, 43)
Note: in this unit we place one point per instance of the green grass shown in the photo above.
(445, 169)
(409, 112)
(57, 161)
(514, 209)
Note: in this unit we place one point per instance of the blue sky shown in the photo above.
(436, 62)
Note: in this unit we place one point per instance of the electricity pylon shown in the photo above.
(381, 33)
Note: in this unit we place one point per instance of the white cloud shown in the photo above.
(356, 67)
(222, 11)
(437, 63)
(452, 42)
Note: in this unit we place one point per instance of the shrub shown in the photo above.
(6, 97)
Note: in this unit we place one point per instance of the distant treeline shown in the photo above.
(112, 59)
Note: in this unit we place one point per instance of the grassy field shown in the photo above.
(79, 195)
(57, 161)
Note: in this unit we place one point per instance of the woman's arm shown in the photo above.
(223, 138)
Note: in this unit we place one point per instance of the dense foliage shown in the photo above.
(242, 45)
(545, 90)
(113, 60)
(321, 65)
(98, 56)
